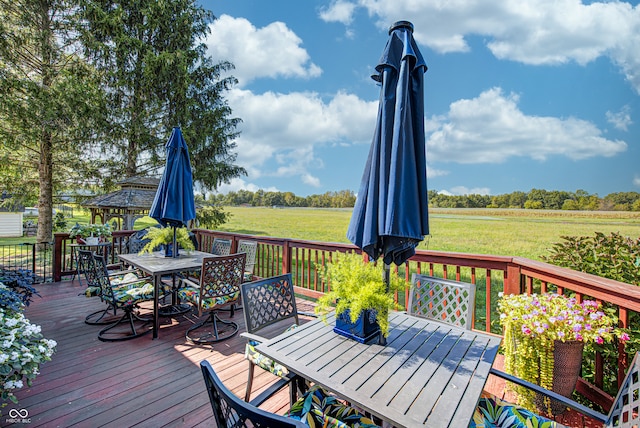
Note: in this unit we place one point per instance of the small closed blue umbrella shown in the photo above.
(174, 203)
(390, 217)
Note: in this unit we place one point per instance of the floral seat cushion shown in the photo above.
(192, 294)
(133, 293)
(317, 408)
(266, 363)
(92, 291)
(494, 412)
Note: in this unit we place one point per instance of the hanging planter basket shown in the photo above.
(567, 361)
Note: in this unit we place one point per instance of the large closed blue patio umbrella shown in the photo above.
(390, 216)
(174, 203)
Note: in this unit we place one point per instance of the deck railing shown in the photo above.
(491, 275)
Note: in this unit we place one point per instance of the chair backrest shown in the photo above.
(221, 247)
(249, 247)
(268, 301)
(137, 241)
(443, 300)
(87, 267)
(624, 412)
(230, 411)
(102, 277)
(221, 277)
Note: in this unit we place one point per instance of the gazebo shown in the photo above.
(126, 205)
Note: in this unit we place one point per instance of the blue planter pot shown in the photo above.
(364, 330)
(168, 250)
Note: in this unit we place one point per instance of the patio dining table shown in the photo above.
(428, 374)
(157, 265)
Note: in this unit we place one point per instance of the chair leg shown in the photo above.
(96, 318)
(129, 317)
(214, 335)
(247, 394)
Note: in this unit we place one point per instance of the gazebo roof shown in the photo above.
(131, 202)
(136, 193)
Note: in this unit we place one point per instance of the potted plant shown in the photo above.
(544, 336)
(163, 236)
(360, 294)
(85, 232)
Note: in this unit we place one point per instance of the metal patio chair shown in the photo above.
(443, 300)
(623, 413)
(219, 288)
(221, 247)
(250, 248)
(125, 293)
(267, 302)
(316, 408)
(229, 411)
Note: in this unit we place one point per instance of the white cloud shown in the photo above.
(462, 190)
(285, 129)
(491, 129)
(533, 32)
(239, 184)
(271, 51)
(620, 120)
(338, 11)
(636, 181)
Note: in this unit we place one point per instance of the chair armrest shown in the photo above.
(561, 398)
(251, 336)
(189, 283)
(308, 314)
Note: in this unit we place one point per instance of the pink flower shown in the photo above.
(576, 327)
(624, 337)
(526, 330)
(599, 340)
(578, 336)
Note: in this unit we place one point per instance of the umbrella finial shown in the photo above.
(401, 24)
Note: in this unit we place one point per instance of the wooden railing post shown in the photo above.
(512, 280)
(57, 255)
(286, 256)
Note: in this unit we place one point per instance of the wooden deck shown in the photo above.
(140, 382)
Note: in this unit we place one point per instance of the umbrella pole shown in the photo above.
(387, 279)
(175, 243)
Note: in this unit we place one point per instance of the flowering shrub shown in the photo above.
(23, 350)
(532, 324)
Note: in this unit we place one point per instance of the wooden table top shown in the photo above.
(428, 374)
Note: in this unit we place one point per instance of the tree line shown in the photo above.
(91, 89)
(534, 199)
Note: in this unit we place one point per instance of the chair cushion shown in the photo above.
(126, 296)
(263, 362)
(494, 412)
(92, 291)
(192, 294)
(317, 408)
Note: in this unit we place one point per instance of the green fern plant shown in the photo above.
(164, 235)
(357, 285)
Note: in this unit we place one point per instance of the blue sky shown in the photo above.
(519, 94)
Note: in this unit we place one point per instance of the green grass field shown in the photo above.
(525, 233)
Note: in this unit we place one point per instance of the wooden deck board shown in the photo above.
(140, 382)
